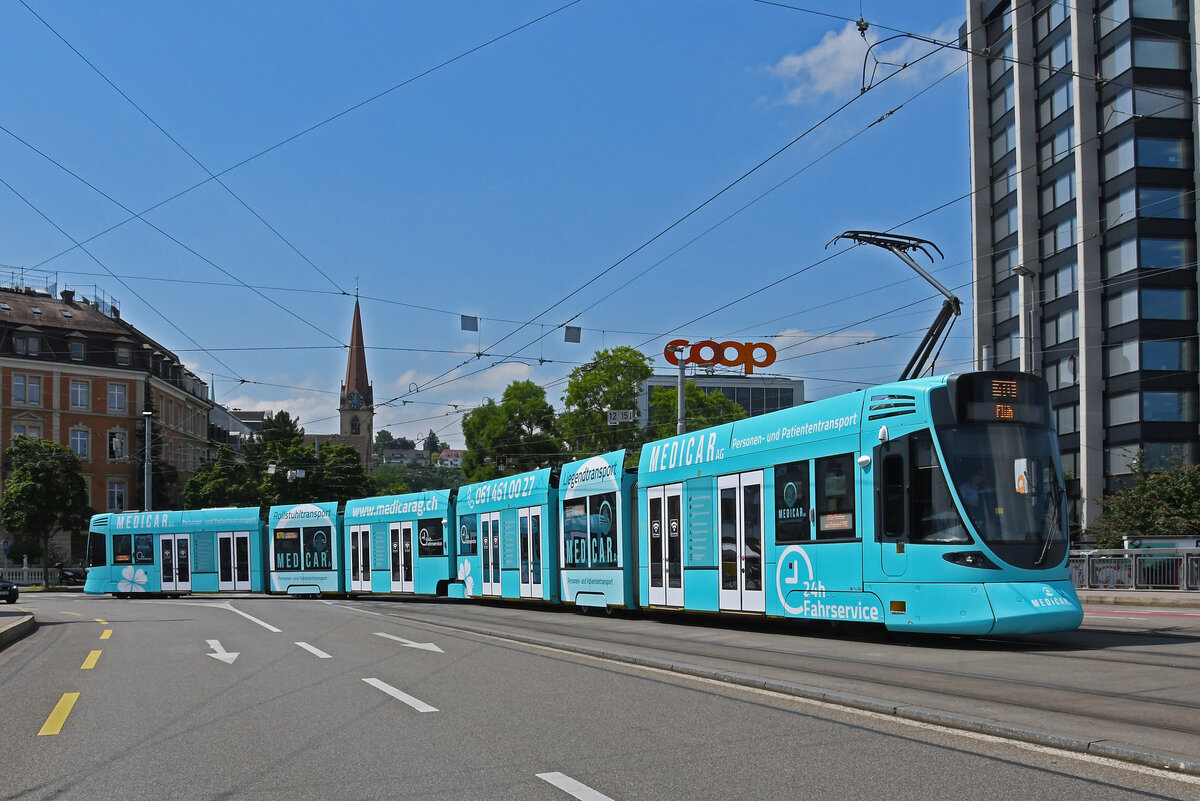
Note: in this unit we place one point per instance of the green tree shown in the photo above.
(433, 445)
(1158, 503)
(513, 436)
(612, 380)
(45, 492)
(701, 410)
(225, 481)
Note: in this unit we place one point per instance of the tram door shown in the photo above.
(741, 521)
(489, 537)
(402, 551)
(233, 560)
(360, 559)
(665, 522)
(530, 522)
(176, 562)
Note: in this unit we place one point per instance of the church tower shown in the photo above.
(357, 406)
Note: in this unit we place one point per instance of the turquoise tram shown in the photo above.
(400, 544)
(925, 505)
(175, 553)
(596, 553)
(506, 543)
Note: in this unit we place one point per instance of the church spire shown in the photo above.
(356, 365)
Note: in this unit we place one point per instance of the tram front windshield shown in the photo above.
(1007, 477)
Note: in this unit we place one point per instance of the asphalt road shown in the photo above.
(346, 700)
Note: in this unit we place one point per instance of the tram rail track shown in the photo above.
(1068, 685)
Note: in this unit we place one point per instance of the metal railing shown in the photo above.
(1140, 569)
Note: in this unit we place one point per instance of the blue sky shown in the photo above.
(624, 166)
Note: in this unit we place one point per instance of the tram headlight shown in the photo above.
(970, 559)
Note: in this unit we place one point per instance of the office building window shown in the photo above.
(1049, 19)
(1059, 193)
(1166, 254)
(1122, 409)
(1007, 347)
(1057, 57)
(1168, 102)
(1060, 283)
(1061, 373)
(1162, 54)
(1119, 159)
(1167, 153)
(1168, 203)
(1004, 143)
(1002, 101)
(1005, 223)
(1117, 60)
(1167, 304)
(1000, 62)
(1122, 308)
(1003, 264)
(1008, 306)
(1058, 102)
(1058, 148)
(1004, 184)
(1067, 418)
(1058, 238)
(1060, 329)
(1121, 359)
(1171, 354)
(1168, 407)
(1120, 258)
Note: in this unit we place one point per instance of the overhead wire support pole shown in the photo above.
(951, 306)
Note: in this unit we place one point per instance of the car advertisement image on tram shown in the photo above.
(303, 549)
(595, 543)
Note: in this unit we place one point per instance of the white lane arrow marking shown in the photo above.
(221, 653)
(424, 646)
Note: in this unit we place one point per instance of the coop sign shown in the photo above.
(746, 355)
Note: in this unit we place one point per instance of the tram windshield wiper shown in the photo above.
(1051, 519)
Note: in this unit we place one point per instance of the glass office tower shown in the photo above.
(1083, 132)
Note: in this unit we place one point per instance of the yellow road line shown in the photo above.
(91, 660)
(58, 717)
(98, 620)
(104, 635)
(76, 614)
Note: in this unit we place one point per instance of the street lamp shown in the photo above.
(680, 428)
(148, 416)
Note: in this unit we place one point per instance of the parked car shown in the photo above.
(9, 591)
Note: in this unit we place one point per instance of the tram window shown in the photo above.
(602, 529)
(143, 549)
(468, 542)
(316, 546)
(287, 549)
(96, 557)
(893, 495)
(122, 549)
(791, 503)
(575, 533)
(835, 497)
(431, 540)
(934, 516)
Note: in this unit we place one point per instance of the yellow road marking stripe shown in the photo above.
(76, 614)
(104, 635)
(91, 660)
(98, 620)
(58, 717)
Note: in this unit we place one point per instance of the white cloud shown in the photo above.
(834, 66)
